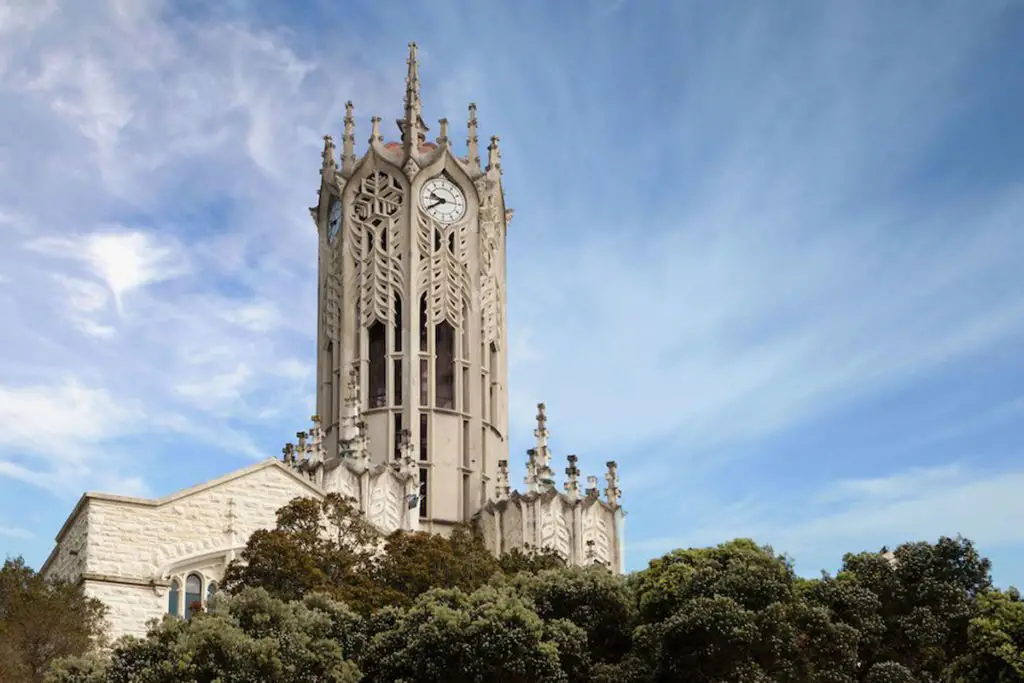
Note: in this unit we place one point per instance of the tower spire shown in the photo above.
(348, 150)
(414, 131)
(472, 140)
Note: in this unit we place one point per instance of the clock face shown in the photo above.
(333, 220)
(443, 200)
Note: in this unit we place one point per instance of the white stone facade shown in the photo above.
(411, 386)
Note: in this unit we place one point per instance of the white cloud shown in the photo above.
(124, 261)
(50, 419)
(864, 514)
(257, 316)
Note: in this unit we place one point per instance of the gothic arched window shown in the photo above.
(444, 370)
(193, 595)
(378, 367)
(174, 598)
(396, 363)
(424, 363)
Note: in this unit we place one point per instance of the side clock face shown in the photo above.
(333, 220)
(443, 200)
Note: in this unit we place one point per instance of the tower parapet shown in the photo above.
(584, 530)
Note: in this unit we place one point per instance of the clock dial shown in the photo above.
(443, 200)
(333, 220)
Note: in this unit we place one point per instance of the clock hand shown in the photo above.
(439, 202)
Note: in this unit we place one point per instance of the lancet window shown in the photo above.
(444, 349)
(378, 372)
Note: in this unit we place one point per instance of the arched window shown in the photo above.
(444, 370)
(493, 368)
(211, 590)
(328, 417)
(397, 345)
(174, 598)
(193, 595)
(424, 363)
(378, 368)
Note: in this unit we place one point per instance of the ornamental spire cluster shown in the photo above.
(540, 477)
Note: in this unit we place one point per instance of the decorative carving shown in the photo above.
(376, 237)
(490, 241)
(612, 477)
(411, 168)
(502, 484)
(572, 478)
(442, 272)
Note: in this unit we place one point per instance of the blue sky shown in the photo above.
(765, 255)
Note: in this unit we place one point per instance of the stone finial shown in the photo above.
(472, 141)
(288, 453)
(301, 448)
(502, 484)
(352, 438)
(572, 477)
(407, 449)
(348, 143)
(494, 155)
(509, 213)
(612, 477)
(544, 474)
(531, 471)
(592, 488)
(327, 156)
(316, 440)
(412, 127)
(442, 138)
(375, 136)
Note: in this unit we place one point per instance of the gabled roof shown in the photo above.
(185, 493)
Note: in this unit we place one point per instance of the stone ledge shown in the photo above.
(123, 580)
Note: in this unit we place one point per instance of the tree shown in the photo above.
(414, 563)
(40, 621)
(248, 637)
(592, 598)
(995, 647)
(318, 545)
(925, 597)
(735, 612)
(488, 636)
(531, 560)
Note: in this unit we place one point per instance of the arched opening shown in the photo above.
(492, 367)
(378, 369)
(396, 363)
(398, 324)
(424, 363)
(193, 595)
(423, 492)
(444, 349)
(328, 404)
(174, 599)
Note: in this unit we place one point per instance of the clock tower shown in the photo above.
(411, 333)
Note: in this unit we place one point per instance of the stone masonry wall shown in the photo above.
(128, 540)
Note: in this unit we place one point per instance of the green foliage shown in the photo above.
(41, 621)
(995, 648)
(414, 563)
(531, 560)
(592, 598)
(447, 636)
(924, 596)
(249, 637)
(324, 598)
(318, 546)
